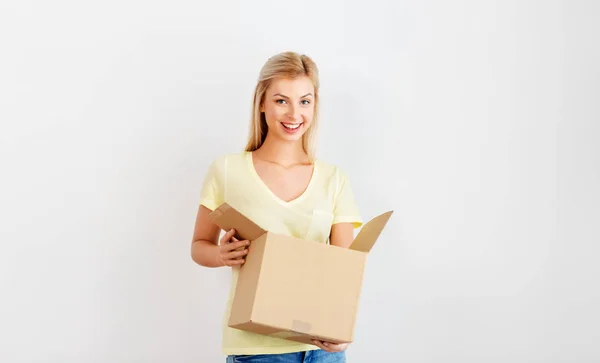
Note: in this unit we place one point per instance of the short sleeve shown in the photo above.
(345, 209)
(212, 191)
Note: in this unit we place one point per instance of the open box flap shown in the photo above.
(370, 232)
(227, 217)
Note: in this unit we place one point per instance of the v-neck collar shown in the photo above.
(250, 161)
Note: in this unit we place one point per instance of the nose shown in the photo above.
(293, 112)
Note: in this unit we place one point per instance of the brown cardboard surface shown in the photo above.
(226, 217)
(297, 289)
(368, 235)
(303, 289)
(247, 286)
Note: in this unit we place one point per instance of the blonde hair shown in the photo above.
(283, 65)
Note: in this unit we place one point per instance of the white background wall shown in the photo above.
(488, 111)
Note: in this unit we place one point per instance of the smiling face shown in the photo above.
(288, 106)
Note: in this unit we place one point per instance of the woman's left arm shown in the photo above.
(342, 234)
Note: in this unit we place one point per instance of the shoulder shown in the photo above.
(219, 166)
(223, 161)
(334, 173)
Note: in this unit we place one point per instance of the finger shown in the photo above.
(235, 254)
(331, 347)
(230, 246)
(334, 347)
(318, 344)
(227, 236)
(337, 347)
(239, 245)
(235, 262)
(321, 345)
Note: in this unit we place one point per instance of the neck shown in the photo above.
(281, 151)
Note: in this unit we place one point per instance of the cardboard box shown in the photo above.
(297, 289)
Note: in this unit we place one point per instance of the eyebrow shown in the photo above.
(279, 94)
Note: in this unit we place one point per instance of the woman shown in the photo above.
(277, 182)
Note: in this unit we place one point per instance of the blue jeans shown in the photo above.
(311, 356)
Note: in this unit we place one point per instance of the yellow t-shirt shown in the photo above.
(327, 200)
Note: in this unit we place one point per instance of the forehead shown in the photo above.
(291, 87)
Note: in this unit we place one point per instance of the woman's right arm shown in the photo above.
(205, 249)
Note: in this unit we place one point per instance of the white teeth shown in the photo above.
(292, 126)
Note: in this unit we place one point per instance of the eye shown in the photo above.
(280, 101)
(305, 102)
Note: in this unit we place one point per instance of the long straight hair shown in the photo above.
(283, 65)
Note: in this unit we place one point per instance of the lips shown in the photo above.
(292, 128)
